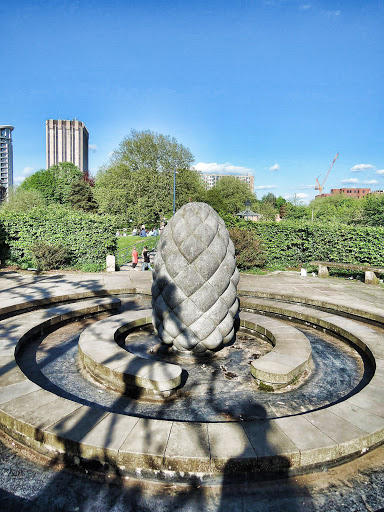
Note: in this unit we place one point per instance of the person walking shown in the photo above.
(146, 259)
(135, 257)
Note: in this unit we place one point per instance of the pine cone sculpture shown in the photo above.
(195, 278)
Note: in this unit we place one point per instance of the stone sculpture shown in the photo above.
(195, 278)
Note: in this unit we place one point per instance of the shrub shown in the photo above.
(249, 250)
(48, 256)
(86, 237)
(290, 243)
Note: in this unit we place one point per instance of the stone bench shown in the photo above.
(116, 367)
(372, 273)
(290, 357)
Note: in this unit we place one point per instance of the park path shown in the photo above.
(335, 290)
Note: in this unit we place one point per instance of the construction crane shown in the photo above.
(320, 187)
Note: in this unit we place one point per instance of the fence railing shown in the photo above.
(125, 255)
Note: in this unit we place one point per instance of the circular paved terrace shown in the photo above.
(150, 447)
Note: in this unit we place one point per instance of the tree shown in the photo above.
(44, 181)
(229, 195)
(81, 197)
(373, 210)
(294, 212)
(66, 174)
(338, 208)
(280, 201)
(54, 183)
(269, 198)
(138, 179)
(21, 200)
(268, 211)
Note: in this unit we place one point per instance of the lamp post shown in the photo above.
(247, 205)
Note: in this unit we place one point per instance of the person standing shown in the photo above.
(146, 259)
(135, 257)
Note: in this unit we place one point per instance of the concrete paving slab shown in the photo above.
(145, 445)
(230, 447)
(363, 419)
(65, 433)
(10, 373)
(351, 439)
(188, 448)
(368, 403)
(273, 448)
(49, 413)
(104, 440)
(315, 446)
(16, 390)
(22, 406)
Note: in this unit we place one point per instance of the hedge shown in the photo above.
(291, 243)
(87, 238)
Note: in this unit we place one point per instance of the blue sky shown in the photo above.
(274, 87)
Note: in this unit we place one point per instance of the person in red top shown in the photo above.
(135, 257)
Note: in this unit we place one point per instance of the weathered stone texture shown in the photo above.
(194, 288)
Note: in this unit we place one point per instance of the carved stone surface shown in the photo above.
(194, 284)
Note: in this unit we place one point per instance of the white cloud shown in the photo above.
(304, 187)
(265, 187)
(297, 197)
(370, 182)
(27, 171)
(305, 6)
(301, 195)
(226, 168)
(18, 179)
(350, 180)
(381, 171)
(362, 167)
(93, 148)
(274, 167)
(333, 13)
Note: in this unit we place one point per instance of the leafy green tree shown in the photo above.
(54, 183)
(21, 200)
(138, 179)
(373, 210)
(229, 195)
(66, 174)
(280, 201)
(269, 198)
(81, 197)
(44, 181)
(189, 187)
(294, 212)
(338, 209)
(268, 211)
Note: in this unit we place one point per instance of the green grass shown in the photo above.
(127, 241)
(125, 245)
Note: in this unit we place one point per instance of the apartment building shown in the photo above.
(66, 141)
(210, 180)
(6, 160)
(357, 193)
